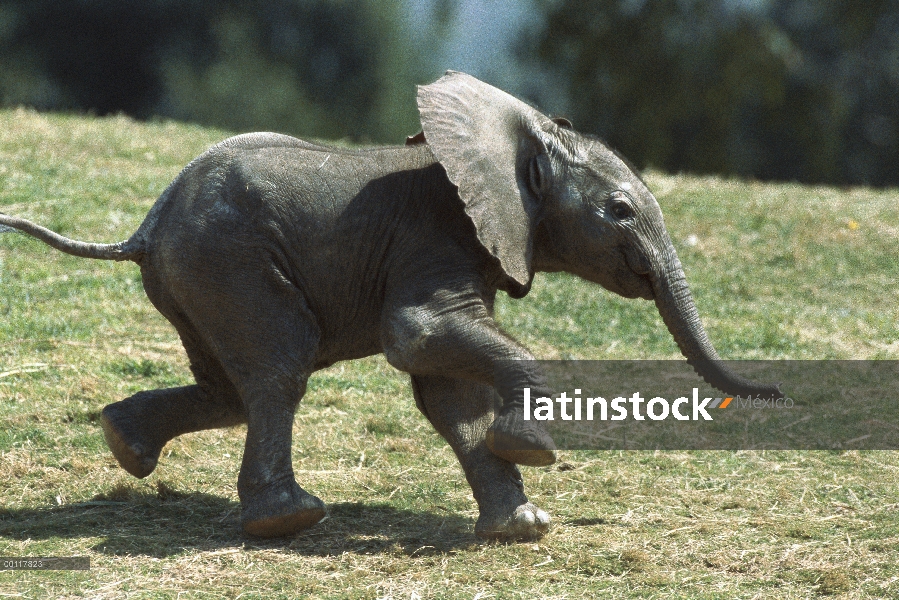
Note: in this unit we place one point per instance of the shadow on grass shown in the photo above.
(587, 522)
(170, 523)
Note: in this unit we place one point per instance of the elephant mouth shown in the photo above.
(647, 290)
(635, 285)
(639, 280)
(636, 260)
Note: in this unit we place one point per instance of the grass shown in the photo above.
(778, 271)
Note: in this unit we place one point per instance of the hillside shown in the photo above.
(779, 271)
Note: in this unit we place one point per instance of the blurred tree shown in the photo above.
(311, 67)
(784, 89)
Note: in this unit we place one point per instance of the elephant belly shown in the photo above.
(346, 339)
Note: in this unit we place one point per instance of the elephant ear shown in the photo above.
(484, 137)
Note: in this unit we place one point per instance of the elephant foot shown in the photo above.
(520, 442)
(281, 510)
(133, 451)
(526, 522)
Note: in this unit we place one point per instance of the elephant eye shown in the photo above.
(620, 209)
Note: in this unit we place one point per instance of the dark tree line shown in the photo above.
(785, 89)
(776, 89)
(311, 67)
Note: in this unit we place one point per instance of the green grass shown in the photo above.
(778, 271)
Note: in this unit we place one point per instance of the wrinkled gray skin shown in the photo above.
(274, 258)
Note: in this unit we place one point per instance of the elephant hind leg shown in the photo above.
(137, 428)
(265, 338)
(252, 341)
(461, 411)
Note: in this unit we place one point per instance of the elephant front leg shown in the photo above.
(510, 436)
(466, 343)
(462, 411)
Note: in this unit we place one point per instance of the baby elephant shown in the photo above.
(274, 258)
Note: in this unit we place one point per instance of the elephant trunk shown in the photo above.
(675, 304)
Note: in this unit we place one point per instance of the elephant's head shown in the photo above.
(543, 197)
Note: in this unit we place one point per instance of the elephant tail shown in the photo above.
(128, 250)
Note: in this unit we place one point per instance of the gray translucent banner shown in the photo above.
(46, 563)
(664, 405)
